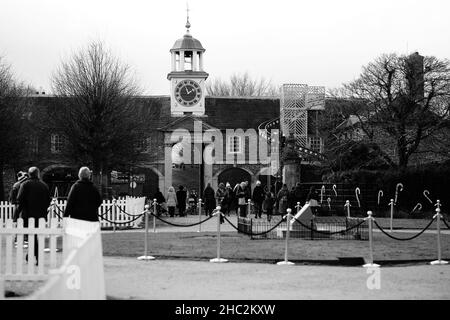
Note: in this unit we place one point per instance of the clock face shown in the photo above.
(188, 93)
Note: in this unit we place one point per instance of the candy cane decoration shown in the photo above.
(397, 191)
(380, 194)
(417, 207)
(426, 193)
(322, 192)
(329, 203)
(358, 192)
(334, 189)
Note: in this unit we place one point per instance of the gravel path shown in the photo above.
(128, 278)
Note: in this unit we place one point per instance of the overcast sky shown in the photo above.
(317, 42)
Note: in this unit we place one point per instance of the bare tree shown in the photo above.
(241, 85)
(404, 98)
(97, 110)
(13, 124)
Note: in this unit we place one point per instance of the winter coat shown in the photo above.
(208, 196)
(258, 194)
(282, 197)
(220, 196)
(33, 199)
(171, 199)
(181, 198)
(83, 201)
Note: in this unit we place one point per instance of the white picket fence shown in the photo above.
(108, 211)
(14, 249)
(75, 273)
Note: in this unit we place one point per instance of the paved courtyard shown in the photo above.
(128, 278)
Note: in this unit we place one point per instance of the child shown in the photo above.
(268, 205)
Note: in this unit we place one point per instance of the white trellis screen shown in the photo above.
(296, 100)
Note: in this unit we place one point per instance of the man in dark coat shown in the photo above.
(210, 200)
(84, 199)
(21, 178)
(258, 198)
(34, 200)
(181, 201)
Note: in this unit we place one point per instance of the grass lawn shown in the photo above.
(236, 247)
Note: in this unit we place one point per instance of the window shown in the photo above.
(57, 143)
(234, 144)
(315, 144)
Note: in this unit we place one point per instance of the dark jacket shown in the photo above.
(83, 201)
(208, 196)
(15, 192)
(33, 199)
(258, 194)
(181, 198)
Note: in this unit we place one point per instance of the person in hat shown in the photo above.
(21, 178)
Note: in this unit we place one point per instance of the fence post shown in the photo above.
(249, 209)
(218, 259)
(146, 257)
(288, 228)
(199, 215)
(370, 264)
(154, 215)
(114, 202)
(438, 231)
(392, 214)
(347, 204)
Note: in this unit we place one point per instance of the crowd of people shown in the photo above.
(31, 198)
(235, 199)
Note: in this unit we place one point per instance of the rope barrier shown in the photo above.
(119, 223)
(326, 232)
(251, 233)
(403, 239)
(126, 213)
(181, 225)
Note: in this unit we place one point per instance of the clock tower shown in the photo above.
(187, 78)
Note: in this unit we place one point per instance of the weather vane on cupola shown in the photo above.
(188, 24)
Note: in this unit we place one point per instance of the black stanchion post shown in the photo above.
(154, 214)
(286, 262)
(146, 257)
(370, 264)
(218, 213)
(438, 232)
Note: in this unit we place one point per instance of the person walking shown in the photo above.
(229, 198)
(161, 202)
(241, 197)
(210, 200)
(282, 198)
(33, 201)
(181, 200)
(21, 178)
(220, 196)
(313, 199)
(258, 198)
(171, 201)
(84, 199)
(268, 205)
